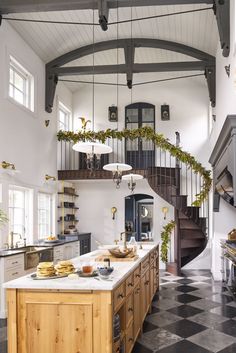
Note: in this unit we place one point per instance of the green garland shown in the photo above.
(165, 238)
(149, 134)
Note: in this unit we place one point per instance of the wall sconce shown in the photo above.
(165, 211)
(49, 177)
(165, 112)
(113, 211)
(8, 168)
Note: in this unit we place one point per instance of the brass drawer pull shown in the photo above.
(147, 282)
(137, 291)
(137, 275)
(130, 284)
(14, 262)
(120, 295)
(15, 273)
(130, 339)
(130, 309)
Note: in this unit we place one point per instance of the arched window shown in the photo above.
(140, 153)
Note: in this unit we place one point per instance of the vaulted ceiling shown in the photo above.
(195, 29)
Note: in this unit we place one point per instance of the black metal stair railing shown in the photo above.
(171, 179)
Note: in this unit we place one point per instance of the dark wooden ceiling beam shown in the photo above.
(24, 6)
(222, 12)
(125, 69)
(136, 43)
(55, 68)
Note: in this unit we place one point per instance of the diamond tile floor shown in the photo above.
(191, 314)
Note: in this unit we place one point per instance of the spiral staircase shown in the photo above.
(191, 232)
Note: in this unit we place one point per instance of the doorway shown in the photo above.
(140, 153)
(139, 216)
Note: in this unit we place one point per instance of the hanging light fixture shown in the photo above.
(93, 149)
(132, 178)
(117, 168)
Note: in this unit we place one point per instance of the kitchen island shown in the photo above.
(77, 316)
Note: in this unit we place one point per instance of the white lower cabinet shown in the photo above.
(11, 267)
(66, 251)
(58, 253)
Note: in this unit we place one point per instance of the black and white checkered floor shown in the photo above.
(191, 314)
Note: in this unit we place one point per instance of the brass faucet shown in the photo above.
(11, 245)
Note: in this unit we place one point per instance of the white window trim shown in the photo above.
(9, 54)
(52, 213)
(63, 107)
(28, 210)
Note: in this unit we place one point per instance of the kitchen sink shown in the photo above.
(35, 254)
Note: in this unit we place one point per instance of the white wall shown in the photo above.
(225, 220)
(24, 139)
(189, 104)
(96, 198)
(188, 100)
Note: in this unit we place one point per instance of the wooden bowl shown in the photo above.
(119, 253)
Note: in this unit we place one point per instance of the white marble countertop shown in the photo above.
(121, 271)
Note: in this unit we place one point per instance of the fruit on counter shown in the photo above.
(51, 237)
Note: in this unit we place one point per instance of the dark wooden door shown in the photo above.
(140, 153)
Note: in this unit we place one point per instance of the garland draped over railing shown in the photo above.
(149, 134)
(165, 238)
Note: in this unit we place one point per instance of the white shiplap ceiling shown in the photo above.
(198, 30)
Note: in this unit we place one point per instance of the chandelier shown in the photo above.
(132, 178)
(93, 151)
(117, 169)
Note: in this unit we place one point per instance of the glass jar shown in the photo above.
(133, 244)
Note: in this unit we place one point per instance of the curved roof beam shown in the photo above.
(55, 68)
(135, 43)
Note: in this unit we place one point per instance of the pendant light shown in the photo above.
(132, 178)
(94, 149)
(117, 168)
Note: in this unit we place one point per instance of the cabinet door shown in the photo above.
(85, 246)
(147, 291)
(55, 323)
(137, 312)
(68, 251)
(143, 299)
(152, 290)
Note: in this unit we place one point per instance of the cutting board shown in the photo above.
(116, 259)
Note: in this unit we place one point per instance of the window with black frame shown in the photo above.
(139, 153)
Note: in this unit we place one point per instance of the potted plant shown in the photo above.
(3, 218)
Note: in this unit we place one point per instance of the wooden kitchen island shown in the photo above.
(76, 316)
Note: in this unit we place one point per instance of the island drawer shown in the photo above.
(129, 340)
(129, 309)
(137, 275)
(129, 284)
(145, 265)
(119, 296)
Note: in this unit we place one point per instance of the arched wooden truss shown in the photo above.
(203, 62)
